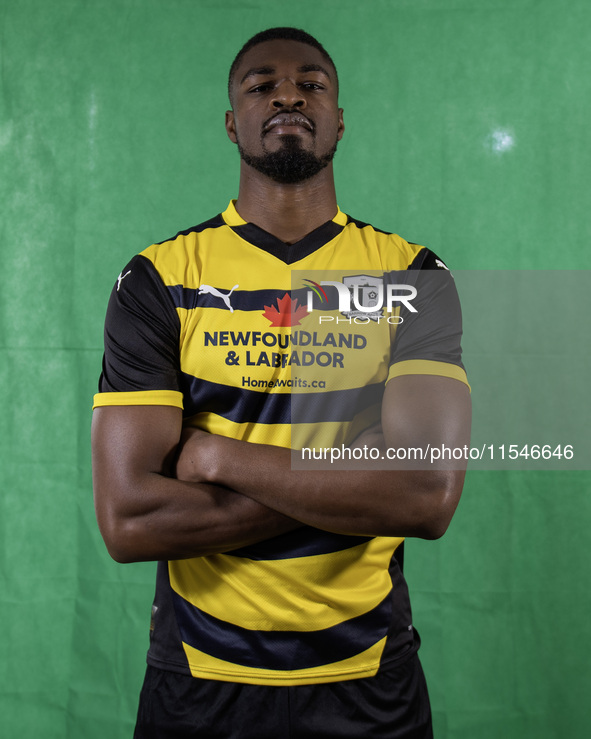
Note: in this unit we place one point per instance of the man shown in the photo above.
(280, 609)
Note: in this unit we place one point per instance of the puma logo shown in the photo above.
(203, 289)
(121, 278)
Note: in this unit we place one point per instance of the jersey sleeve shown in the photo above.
(141, 363)
(428, 341)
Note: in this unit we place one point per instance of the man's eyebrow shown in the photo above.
(314, 68)
(257, 71)
(269, 70)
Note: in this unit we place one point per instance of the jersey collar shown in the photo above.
(288, 253)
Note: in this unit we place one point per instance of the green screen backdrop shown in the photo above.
(467, 130)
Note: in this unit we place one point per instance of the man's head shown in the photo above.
(281, 33)
(285, 118)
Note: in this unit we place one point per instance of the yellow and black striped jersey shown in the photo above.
(217, 321)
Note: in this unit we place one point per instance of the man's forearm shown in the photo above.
(401, 502)
(195, 520)
(371, 503)
(144, 513)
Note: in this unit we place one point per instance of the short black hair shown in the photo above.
(286, 33)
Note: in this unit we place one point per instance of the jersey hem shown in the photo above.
(327, 677)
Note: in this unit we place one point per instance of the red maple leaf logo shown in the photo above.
(287, 312)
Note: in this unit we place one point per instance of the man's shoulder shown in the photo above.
(390, 239)
(405, 254)
(212, 223)
(362, 225)
(174, 255)
(417, 255)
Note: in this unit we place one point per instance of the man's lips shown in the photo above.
(288, 120)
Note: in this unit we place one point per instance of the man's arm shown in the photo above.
(417, 410)
(146, 514)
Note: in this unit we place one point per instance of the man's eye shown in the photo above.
(261, 88)
(312, 86)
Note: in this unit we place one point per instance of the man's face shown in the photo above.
(285, 118)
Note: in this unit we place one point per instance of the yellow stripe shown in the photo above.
(428, 367)
(365, 664)
(377, 251)
(275, 434)
(288, 594)
(140, 397)
(288, 436)
(325, 434)
(176, 263)
(175, 259)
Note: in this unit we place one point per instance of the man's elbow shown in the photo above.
(438, 505)
(121, 549)
(120, 535)
(434, 527)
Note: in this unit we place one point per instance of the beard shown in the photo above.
(291, 163)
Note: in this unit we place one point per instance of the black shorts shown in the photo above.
(394, 705)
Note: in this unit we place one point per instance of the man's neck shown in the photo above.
(289, 212)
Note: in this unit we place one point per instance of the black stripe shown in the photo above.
(244, 300)
(426, 259)
(361, 224)
(288, 253)
(303, 542)
(338, 406)
(281, 650)
(243, 405)
(234, 403)
(214, 222)
(188, 298)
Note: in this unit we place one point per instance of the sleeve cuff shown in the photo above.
(141, 397)
(428, 367)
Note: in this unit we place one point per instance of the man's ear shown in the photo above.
(341, 129)
(230, 126)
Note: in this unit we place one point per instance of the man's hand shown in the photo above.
(195, 450)
(372, 437)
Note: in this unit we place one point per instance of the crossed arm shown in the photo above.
(157, 500)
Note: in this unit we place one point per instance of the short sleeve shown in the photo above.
(428, 341)
(141, 363)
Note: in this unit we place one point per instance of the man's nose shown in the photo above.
(288, 95)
